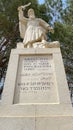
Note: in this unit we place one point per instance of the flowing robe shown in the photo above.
(32, 30)
(36, 28)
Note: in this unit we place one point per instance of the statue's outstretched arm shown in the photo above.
(46, 26)
(21, 16)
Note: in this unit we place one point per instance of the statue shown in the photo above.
(32, 30)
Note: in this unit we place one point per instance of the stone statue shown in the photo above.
(32, 29)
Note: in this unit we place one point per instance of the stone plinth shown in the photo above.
(36, 94)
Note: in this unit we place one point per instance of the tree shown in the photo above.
(63, 26)
(54, 9)
(68, 20)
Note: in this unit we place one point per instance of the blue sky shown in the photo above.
(42, 1)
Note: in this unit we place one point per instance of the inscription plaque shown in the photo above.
(36, 81)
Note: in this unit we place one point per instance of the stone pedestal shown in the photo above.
(36, 95)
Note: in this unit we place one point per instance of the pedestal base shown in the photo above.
(26, 103)
(37, 123)
(36, 117)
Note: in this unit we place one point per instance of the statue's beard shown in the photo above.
(32, 16)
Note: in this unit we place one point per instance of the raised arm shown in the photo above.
(20, 9)
(22, 18)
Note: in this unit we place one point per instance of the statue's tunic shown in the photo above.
(35, 29)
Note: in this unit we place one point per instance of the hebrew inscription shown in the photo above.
(36, 81)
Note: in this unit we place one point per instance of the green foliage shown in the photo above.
(68, 40)
(62, 20)
(68, 13)
(9, 16)
(41, 12)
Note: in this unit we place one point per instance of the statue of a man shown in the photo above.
(32, 29)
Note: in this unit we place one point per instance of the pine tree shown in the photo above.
(62, 20)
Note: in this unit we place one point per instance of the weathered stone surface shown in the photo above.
(37, 123)
(25, 104)
(22, 74)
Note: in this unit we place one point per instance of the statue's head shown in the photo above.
(31, 13)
